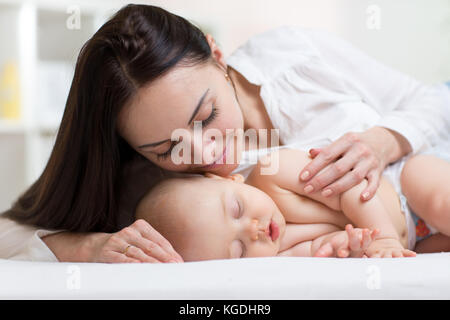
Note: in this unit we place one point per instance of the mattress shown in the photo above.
(426, 276)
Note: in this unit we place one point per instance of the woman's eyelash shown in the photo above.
(163, 156)
(206, 122)
(212, 116)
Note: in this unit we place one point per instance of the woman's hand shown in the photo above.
(353, 157)
(139, 242)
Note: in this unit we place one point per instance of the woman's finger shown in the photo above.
(373, 178)
(138, 254)
(148, 232)
(331, 173)
(128, 245)
(117, 257)
(349, 180)
(314, 152)
(326, 156)
(133, 237)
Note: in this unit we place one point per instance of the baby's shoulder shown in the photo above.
(280, 167)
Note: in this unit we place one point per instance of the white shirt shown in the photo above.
(315, 87)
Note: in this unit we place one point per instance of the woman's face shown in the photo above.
(186, 98)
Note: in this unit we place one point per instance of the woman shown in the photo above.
(147, 72)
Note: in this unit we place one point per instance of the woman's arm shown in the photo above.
(138, 242)
(415, 110)
(414, 116)
(23, 242)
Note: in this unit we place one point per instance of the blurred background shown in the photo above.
(40, 41)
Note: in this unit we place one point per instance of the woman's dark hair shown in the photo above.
(80, 185)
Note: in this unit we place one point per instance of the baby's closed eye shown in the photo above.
(237, 249)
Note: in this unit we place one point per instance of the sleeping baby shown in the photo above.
(212, 217)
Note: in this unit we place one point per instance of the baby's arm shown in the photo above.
(352, 242)
(370, 214)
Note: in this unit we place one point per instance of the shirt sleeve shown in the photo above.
(419, 112)
(23, 242)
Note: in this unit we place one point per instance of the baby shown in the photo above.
(213, 217)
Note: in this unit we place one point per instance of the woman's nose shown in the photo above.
(204, 149)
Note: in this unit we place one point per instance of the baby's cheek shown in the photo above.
(263, 250)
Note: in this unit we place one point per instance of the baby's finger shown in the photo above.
(408, 253)
(367, 239)
(374, 234)
(343, 253)
(353, 237)
(397, 254)
(324, 251)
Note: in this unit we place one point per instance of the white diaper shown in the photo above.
(392, 173)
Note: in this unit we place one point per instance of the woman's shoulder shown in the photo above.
(268, 54)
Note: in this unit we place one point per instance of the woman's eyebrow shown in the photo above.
(197, 108)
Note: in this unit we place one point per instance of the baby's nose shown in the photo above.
(254, 229)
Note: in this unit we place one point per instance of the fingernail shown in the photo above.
(366, 195)
(327, 192)
(305, 175)
(173, 261)
(308, 189)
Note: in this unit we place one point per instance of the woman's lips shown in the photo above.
(274, 230)
(215, 164)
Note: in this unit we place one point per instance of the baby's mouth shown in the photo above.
(274, 230)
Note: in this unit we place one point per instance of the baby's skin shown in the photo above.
(215, 217)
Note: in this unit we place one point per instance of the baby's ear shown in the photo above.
(213, 176)
(237, 178)
(234, 177)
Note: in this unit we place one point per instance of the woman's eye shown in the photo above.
(211, 117)
(165, 155)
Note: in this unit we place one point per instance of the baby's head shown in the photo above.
(213, 217)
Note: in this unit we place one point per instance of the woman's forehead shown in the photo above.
(169, 102)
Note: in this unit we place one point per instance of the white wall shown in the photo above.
(414, 35)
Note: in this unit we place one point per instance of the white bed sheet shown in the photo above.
(425, 277)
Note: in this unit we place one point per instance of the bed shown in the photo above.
(426, 276)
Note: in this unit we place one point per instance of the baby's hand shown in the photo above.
(351, 243)
(388, 248)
